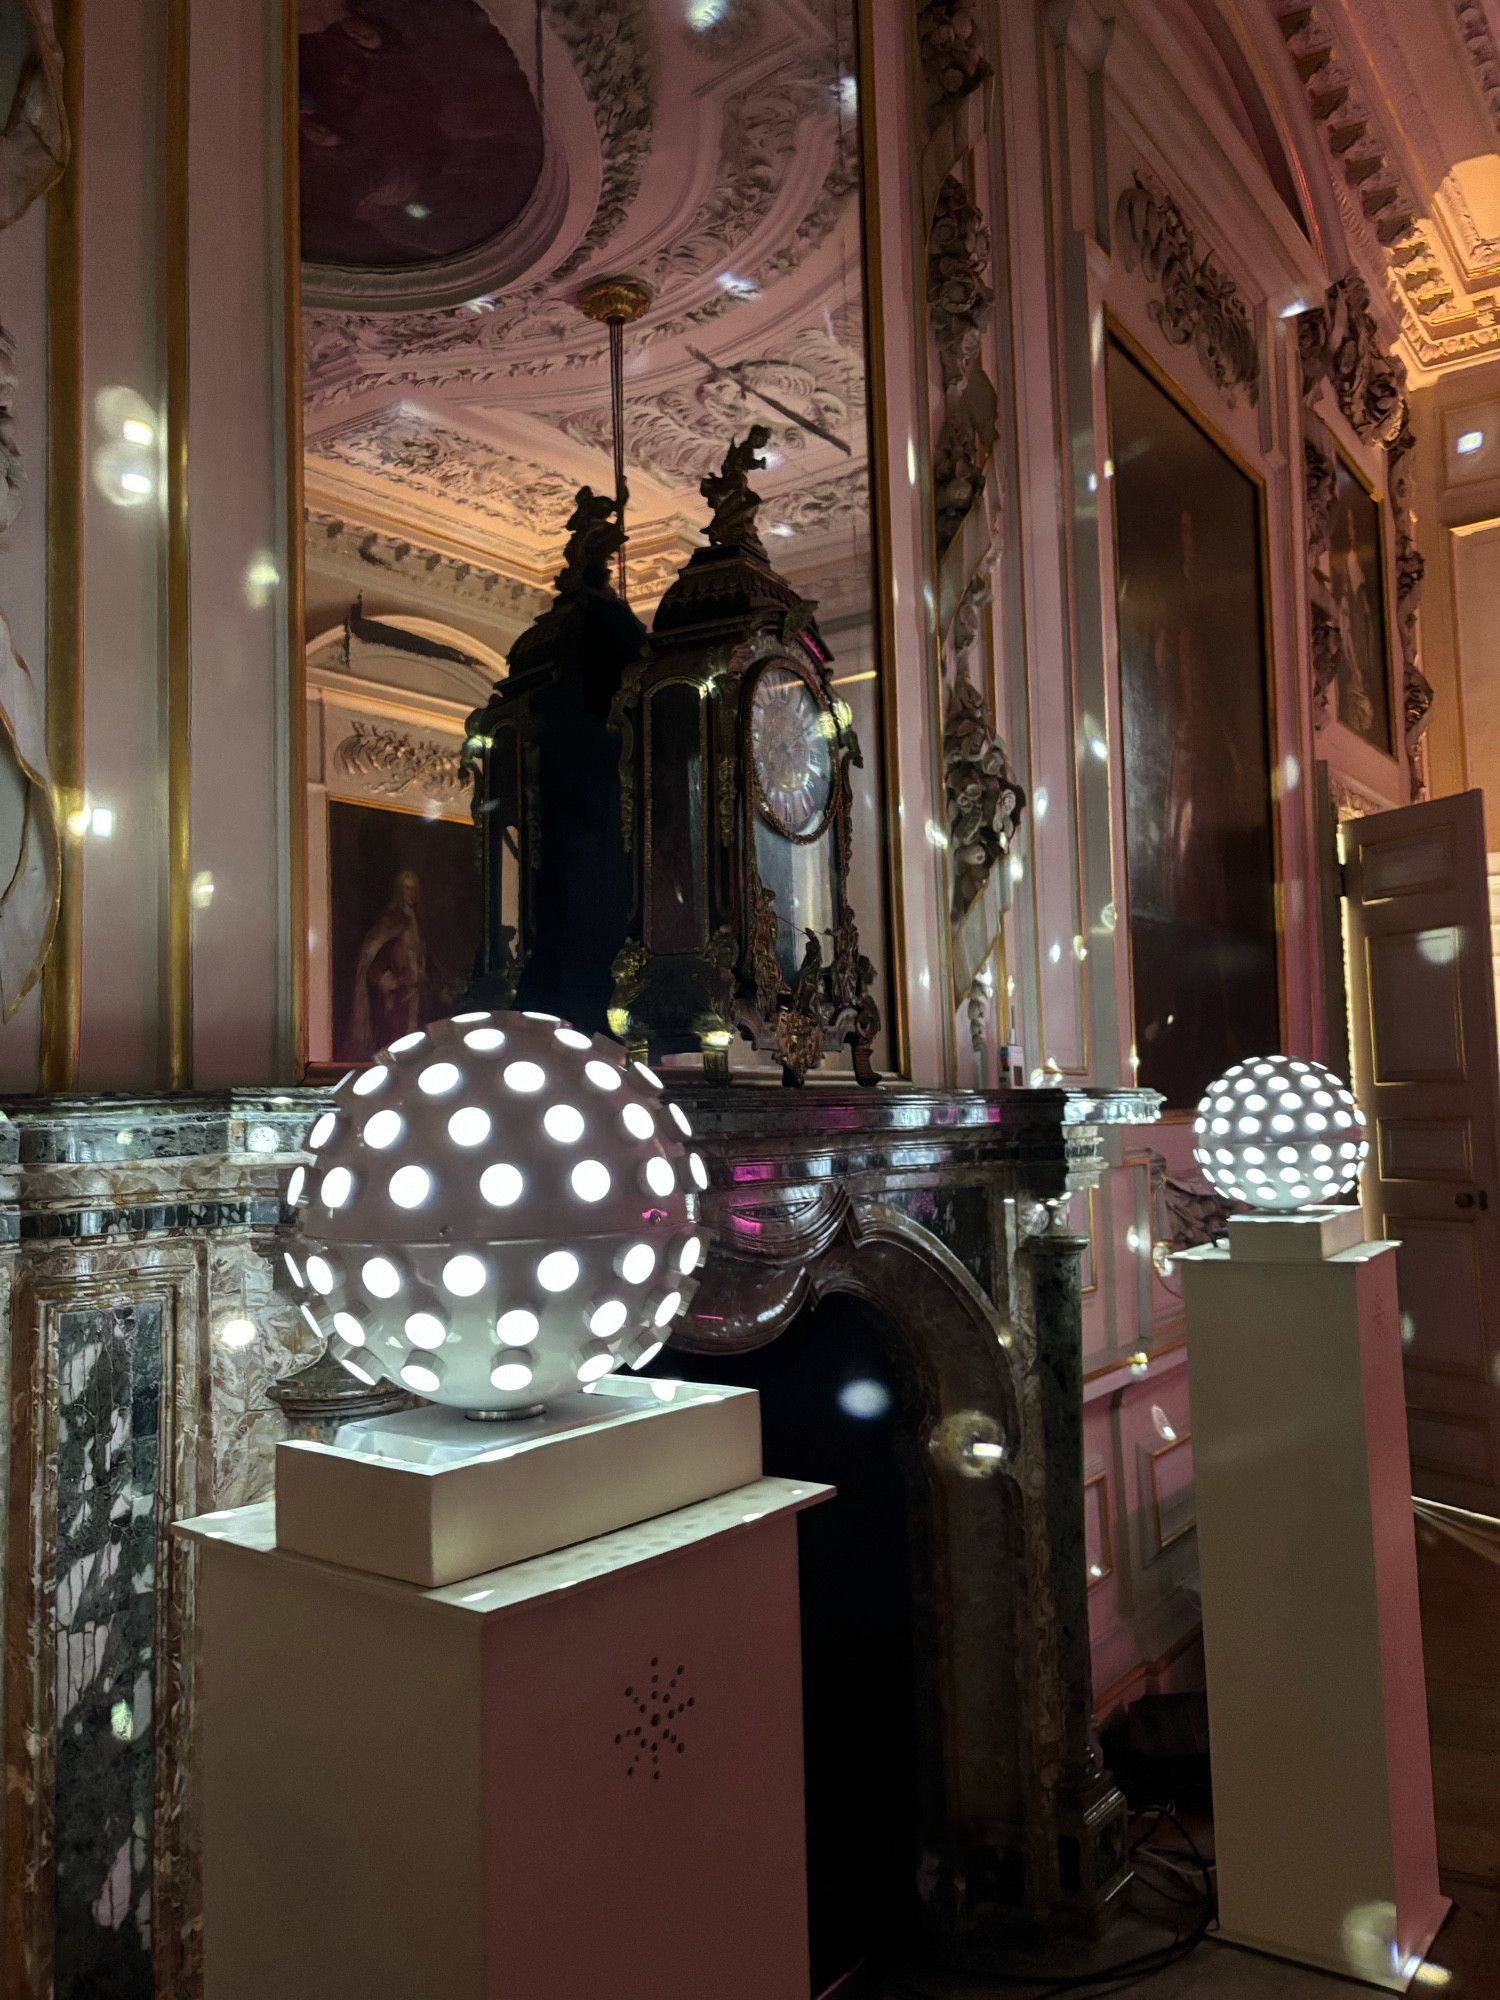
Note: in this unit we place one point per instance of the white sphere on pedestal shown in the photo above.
(1279, 1133)
(502, 1211)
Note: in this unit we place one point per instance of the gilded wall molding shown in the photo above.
(1200, 304)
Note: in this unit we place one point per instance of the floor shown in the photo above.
(1459, 1569)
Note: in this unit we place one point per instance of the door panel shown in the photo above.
(1422, 1002)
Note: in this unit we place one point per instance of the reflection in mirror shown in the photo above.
(467, 171)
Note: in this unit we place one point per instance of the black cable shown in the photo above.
(1110, 1979)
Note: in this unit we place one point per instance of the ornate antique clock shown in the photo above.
(555, 874)
(735, 803)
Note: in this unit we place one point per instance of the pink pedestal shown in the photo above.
(578, 1776)
(1312, 1637)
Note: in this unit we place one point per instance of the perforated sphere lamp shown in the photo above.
(501, 1211)
(1278, 1133)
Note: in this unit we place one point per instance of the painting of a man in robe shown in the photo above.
(1199, 849)
(404, 894)
(1361, 681)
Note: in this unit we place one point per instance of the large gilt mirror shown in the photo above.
(466, 170)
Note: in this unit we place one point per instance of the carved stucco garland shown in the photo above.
(391, 761)
(1200, 305)
(1339, 345)
(983, 800)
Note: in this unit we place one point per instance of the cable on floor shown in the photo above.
(1112, 1979)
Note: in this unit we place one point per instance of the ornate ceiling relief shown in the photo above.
(428, 570)
(1482, 49)
(1200, 305)
(1434, 258)
(444, 464)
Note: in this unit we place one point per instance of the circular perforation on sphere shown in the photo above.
(503, 1210)
(1280, 1133)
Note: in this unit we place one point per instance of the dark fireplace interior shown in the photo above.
(833, 1408)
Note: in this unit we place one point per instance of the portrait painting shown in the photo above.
(1200, 853)
(404, 898)
(1356, 582)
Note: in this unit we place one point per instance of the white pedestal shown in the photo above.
(1322, 1780)
(431, 1496)
(577, 1776)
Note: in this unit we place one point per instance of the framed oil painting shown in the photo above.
(404, 922)
(1362, 682)
(1200, 849)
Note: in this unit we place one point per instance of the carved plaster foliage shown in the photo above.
(443, 464)
(1339, 343)
(1388, 222)
(983, 800)
(984, 805)
(1200, 305)
(35, 144)
(953, 58)
(392, 761)
(1416, 689)
(1339, 346)
(611, 52)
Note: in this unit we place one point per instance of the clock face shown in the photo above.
(792, 751)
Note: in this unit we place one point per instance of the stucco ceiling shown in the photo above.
(1406, 98)
(713, 153)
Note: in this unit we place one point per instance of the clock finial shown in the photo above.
(727, 491)
(593, 537)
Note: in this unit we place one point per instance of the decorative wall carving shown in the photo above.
(1339, 343)
(12, 470)
(391, 761)
(1320, 488)
(984, 802)
(953, 58)
(1200, 305)
(1416, 689)
(446, 465)
(960, 297)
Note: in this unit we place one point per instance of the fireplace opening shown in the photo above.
(836, 1406)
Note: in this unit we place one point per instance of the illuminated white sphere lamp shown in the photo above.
(1276, 1133)
(501, 1212)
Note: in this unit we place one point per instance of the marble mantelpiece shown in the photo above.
(133, 1229)
(945, 1212)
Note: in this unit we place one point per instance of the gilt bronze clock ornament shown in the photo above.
(735, 799)
(556, 878)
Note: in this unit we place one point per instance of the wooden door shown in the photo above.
(1422, 1018)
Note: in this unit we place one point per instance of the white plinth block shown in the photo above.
(430, 1495)
(580, 1775)
(1322, 1780)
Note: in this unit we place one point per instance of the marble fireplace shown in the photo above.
(147, 1321)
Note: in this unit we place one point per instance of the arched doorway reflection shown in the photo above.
(836, 1406)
